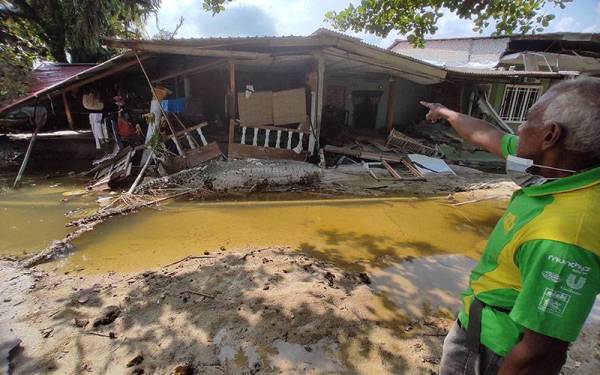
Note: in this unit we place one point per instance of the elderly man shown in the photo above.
(536, 282)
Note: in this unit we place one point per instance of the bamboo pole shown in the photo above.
(139, 177)
(179, 149)
(30, 147)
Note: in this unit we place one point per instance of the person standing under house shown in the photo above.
(538, 277)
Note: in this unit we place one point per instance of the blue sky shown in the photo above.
(302, 17)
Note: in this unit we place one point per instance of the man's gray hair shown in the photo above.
(576, 108)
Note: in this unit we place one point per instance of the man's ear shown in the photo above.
(552, 135)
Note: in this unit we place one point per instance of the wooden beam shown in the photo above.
(232, 90)
(189, 71)
(367, 155)
(389, 120)
(105, 73)
(67, 110)
(191, 51)
(370, 61)
(320, 91)
(231, 102)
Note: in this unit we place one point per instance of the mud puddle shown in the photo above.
(352, 233)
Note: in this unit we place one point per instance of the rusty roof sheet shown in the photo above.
(47, 75)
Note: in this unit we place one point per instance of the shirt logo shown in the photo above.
(551, 276)
(576, 282)
(509, 221)
(554, 302)
(574, 266)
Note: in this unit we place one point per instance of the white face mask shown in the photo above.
(518, 170)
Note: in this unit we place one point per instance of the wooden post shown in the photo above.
(67, 110)
(320, 90)
(389, 121)
(187, 87)
(232, 90)
(232, 104)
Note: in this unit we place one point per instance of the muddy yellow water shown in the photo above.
(34, 215)
(350, 232)
(345, 231)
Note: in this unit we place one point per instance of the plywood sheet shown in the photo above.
(289, 107)
(256, 109)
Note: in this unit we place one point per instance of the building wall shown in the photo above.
(361, 84)
(407, 109)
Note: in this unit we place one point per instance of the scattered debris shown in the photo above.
(81, 323)
(136, 360)
(364, 278)
(109, 314)
(184, 369)
(46, 332)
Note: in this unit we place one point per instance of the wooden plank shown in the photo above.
(391, 170)
(191, 51)
(181, 133)
(367, 155)
(67, 110)
(188, 71)
(411, 168)
(247, 151)
(320, 92)
(106, 73)
(232, 90)
(390, 104)
(193, 158)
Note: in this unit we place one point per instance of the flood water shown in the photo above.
(34, 215)
(349, 232)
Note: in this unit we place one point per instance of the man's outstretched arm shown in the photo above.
(473, 130)
(535, 354)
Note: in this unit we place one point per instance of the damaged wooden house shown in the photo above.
(175, 104)
(187, 101)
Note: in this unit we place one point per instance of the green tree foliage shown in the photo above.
(14, 74)
(417, 18)
(53, 28)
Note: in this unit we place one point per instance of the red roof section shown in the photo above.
(49, 74)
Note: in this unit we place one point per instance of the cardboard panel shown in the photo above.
(289, 107)
(257, 109)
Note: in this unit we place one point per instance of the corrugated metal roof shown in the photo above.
(56, 81)
(48, 75)
(467, 53)
(490, 73)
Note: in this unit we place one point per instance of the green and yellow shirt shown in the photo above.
(541, 262)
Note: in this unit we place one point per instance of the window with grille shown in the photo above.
(517, 100)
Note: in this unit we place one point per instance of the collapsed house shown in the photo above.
(179, 103)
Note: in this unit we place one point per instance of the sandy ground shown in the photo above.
(272, 310)
(261, 311)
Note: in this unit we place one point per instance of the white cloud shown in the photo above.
(565, 24)
(277, 17)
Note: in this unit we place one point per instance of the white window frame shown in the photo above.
(514, 114)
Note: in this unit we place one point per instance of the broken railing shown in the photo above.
(269, 142)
